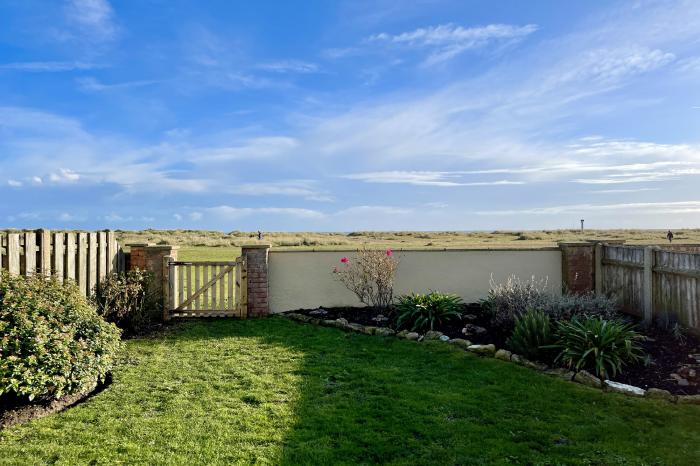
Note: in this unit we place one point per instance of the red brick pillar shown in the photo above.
(137, 256)
(578, 267)
(149, 257)
(256, 260)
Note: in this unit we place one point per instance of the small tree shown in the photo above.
(370, 276)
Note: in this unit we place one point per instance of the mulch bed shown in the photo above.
(672, 364)
(15, 410)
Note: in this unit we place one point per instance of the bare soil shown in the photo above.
(18, 410)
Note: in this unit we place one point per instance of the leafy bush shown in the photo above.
(510, 300)
(533, 332)
(370, 275)
(125, 299)
(53, 342)
(600, 346)
(421, 312)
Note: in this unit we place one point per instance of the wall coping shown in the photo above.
(139, 245)
(256, 246)
(163, 247)
(544, 248)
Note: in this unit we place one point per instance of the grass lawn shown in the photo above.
(280, 392)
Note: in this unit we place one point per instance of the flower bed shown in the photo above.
(666, 354)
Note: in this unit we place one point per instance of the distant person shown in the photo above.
(260, 235)
(669, 236)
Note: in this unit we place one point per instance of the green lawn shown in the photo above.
(279, 392)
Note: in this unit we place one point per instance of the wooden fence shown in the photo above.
(206, 289)
(651, 281)
(85, 257)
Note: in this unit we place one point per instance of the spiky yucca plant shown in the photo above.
(532, 333)
(601, 346)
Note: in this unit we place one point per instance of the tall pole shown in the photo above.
(581, 225)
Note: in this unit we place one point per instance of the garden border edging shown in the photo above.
(489, 350)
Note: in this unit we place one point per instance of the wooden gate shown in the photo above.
(207, 289)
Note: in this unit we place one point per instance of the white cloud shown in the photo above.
(446, 41)
(255, 148)
(49, 66)
(289, 66)
(196, 216)
(94, 18)
(677, 207)
(177, 217)
(64, 175)
(36, 180)
(90, 84)
(425, 178)
(14, 183)
(292, 188)
(66, 217)
(229, 212)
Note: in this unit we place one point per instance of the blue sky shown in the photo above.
(349, 115)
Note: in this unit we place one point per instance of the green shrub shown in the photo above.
(53, 342)
(600, 346)
(533, 332)
(421, 312)
(125, 299)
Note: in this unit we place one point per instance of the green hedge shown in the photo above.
(52, 342)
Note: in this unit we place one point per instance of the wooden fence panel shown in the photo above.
(673, 288)
(85, 257)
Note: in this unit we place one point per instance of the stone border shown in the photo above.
(581, 377)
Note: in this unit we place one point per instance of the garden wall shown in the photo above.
(303, 279)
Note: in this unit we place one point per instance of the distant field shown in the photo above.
(216, 245)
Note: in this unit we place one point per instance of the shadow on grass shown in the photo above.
(363, 399)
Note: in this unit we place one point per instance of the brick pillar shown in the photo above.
(137, 255)
(256, 260)
(149, 257)
(578, 267)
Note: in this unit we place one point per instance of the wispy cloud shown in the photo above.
(293, 188)
(93, 18)
(254, 148)
(424, 178)
(91, 84)
(230, 212)
(49, 66)
(677, 207)
(289, 66)
(446, 41)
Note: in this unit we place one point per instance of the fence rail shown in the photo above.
(652, 282)
(81, 256)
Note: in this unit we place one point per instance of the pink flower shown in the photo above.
(344, 260)
(389, 252)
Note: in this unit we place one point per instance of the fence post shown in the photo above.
(168, 282)
(598, 272)
(45, 252)
(648, 281)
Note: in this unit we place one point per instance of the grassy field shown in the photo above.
(272, 391)
(216, 245)
(405, 239)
